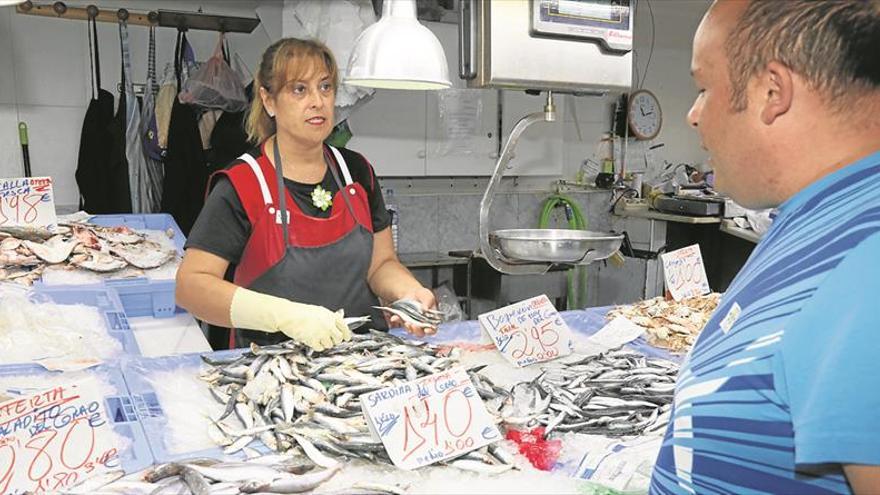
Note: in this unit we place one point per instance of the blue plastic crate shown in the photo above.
(119, 407)
(140, 296)
(150, 409)
(106, 301)
(144, 297)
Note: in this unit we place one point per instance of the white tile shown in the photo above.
(51, 61)
(389, 131)
(10, 150)
(539, 151)
(7, 78)
(54, 134)
(596, 109)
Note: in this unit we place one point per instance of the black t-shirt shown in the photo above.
(223, 228)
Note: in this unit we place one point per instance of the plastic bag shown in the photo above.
(447, 303)
(215, 85)
(542, 453)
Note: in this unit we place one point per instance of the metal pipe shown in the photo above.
(548, 115)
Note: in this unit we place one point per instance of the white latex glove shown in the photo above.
(314, 326)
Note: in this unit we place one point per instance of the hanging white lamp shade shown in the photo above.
(398, 52)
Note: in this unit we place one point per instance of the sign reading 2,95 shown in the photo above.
(430, 419)
(528, 332)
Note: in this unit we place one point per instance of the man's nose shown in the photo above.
(693, 115)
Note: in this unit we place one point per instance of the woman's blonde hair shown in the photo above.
(285, 60)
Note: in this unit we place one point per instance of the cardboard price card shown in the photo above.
(27, 202)
(684, 272)
(428, 420)
(528, 332)
(55, 439)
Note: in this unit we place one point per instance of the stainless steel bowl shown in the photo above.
(555, 245)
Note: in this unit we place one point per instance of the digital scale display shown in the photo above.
(607, 21)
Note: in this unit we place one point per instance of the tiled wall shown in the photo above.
(440, 223)
(445, 222)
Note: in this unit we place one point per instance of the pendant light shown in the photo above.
(398, 52)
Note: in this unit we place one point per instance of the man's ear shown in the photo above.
(777, 88)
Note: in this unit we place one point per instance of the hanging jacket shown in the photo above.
(151, 186)
(134, 149)
(101, 170)
(186, 172)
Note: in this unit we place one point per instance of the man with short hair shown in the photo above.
(781, 392)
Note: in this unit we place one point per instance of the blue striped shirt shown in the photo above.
(783, 386)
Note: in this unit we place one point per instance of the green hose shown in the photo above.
(576, 299)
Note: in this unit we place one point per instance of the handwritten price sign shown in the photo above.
(27, 202)
(430, 419)
(54, 439)
(684, 273)
(528, 332)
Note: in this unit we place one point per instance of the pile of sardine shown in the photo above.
(26, 252)
(618, 393)
(273, 473)
(412, 312)
(293, 399)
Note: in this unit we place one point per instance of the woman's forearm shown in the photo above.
(207, 297)
(391, 281)
(200, 288)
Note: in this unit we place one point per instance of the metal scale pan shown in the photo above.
(527, 251)
(556, 246)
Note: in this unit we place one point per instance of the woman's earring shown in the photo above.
(271, 114)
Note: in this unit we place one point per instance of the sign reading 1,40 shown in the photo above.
(421, 424)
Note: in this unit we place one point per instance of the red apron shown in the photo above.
(311, 260)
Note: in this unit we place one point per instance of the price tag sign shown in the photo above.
(54, 439)
(27, 202)
(528, 332)
(428, 420)
(684, 273)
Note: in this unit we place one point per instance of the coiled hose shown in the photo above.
(577, 276)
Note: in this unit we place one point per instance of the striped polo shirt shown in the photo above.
(783, 384)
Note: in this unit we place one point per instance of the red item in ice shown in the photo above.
(540, 452)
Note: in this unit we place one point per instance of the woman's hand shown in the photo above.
(426, 298)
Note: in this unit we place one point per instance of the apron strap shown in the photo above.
(342, 188)
(261, 179)
(282, 193)
(342, 166)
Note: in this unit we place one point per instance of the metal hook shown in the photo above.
(153, 17)
(59, 8)
(122, 14)
(27, 6)
(92, 12)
